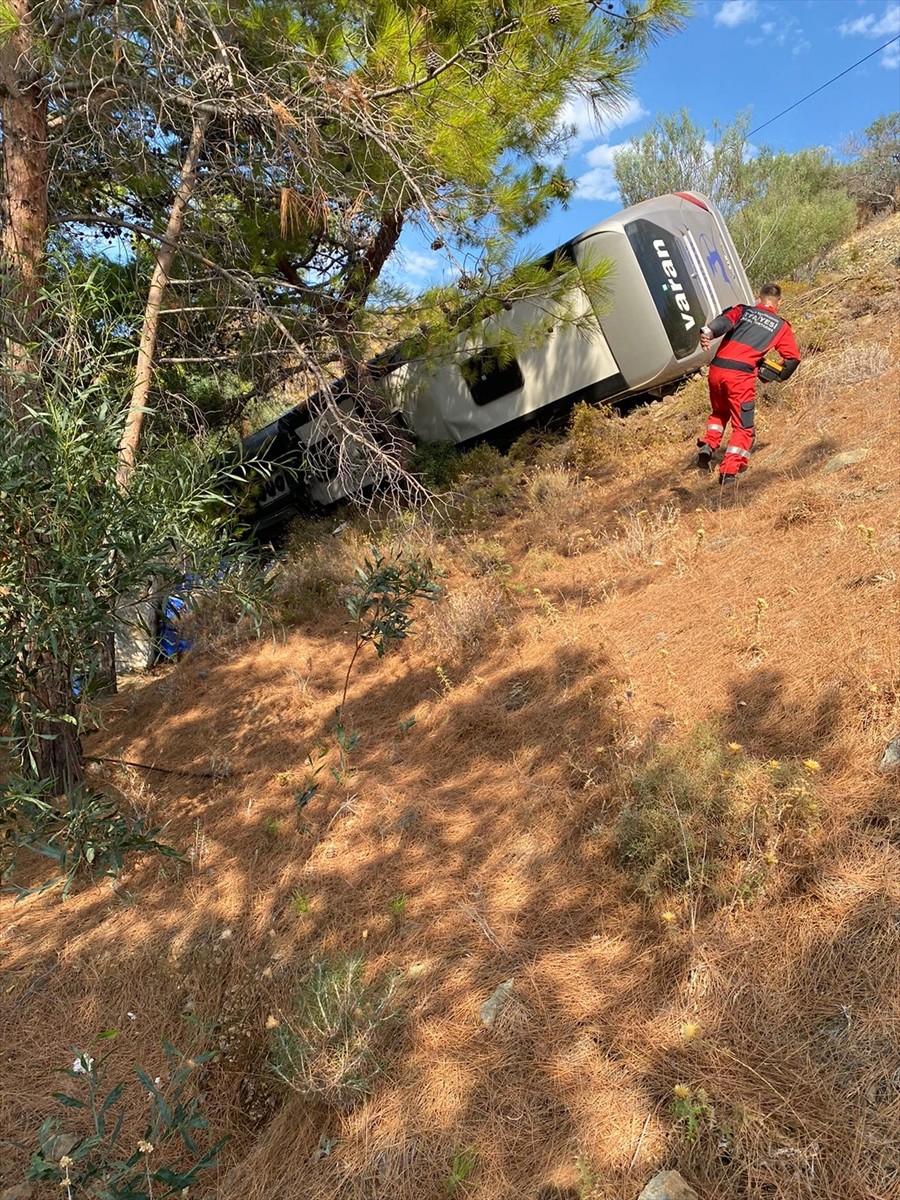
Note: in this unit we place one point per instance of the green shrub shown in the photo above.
(486, 487)
(165, 1161)
(327, 1049)
(437, 464)
(82, 833)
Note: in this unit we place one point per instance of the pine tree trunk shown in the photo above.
(143, 375)
(47, 703)
(23, 111)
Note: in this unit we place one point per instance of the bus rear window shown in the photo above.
(668, 278)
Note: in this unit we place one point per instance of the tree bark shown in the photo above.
(360, 280)
(23, 111)
(48, 704)
(143, 375)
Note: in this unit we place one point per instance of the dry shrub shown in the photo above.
(599, 436)
(486, 487)
(557, 503)
(807, 508)
(464, 621)
(317, 567)
(848, 366)
(704, 818)
(866, 360)
(486, 558)
(642, 535)
(814, 328)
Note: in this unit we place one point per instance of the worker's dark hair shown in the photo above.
(770, 289)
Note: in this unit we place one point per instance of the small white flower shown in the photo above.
(82, 1065)
(131, 1016)
(158, 1080)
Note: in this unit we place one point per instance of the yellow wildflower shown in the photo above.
(272, 1022)
(682, 1091)
(773, 764)
(689, 1030)
(734, 747)
(812, 765)
(145, 1147)
(668, 917)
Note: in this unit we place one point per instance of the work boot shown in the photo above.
(704, 458)
(728, 480)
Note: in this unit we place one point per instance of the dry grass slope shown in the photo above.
(712, 987)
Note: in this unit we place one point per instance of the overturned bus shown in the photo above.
(674, 267)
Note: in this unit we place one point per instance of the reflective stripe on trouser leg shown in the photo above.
(715, 431)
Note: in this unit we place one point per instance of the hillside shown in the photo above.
(641, 782)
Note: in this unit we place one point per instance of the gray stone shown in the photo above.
(668, 1185)
(496, 1002)
(848, 458)
(407, 819)
(22, 1191)
(891, 760)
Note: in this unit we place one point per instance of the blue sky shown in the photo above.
(731, 55)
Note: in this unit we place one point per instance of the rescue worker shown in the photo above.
(750, 332)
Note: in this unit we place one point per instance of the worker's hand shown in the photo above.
(704, 341)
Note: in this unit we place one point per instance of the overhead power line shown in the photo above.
(802, 99)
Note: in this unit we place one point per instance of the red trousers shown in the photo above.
(732, 396)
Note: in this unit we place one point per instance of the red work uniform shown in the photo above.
(750, 332)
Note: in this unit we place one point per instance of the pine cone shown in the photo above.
(437, 244)
(250, 124)
(433, 62)
(466, 282)
(554, 16)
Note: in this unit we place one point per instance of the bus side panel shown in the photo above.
(564, 353)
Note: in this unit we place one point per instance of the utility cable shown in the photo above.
(889, 42)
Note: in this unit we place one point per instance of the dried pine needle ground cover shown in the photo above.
(629, 763)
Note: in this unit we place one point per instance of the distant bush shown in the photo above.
(801, 209)
(327, 1049)
(873, 176)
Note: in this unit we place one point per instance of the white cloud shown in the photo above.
(590, 120)
(736, 12)
(417, 264)
(891, 57)
(870, 25)
(599, 183)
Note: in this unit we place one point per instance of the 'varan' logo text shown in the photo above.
(677, 290)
